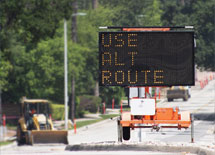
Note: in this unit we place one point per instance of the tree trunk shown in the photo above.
(96, 92)
(182, 2)
(0, 109)
(73, 99)
(74, 39)
(95, 4)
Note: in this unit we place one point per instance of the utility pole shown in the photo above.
(65, 76)
(74, 39)
(96, 89)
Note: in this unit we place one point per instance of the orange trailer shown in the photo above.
(144, 113)
(161, 117)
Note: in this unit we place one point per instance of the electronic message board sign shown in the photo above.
(146, 58)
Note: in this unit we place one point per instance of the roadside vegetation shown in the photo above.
(32, 44)
(5, 143)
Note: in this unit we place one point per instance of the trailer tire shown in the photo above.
(185, 98)
(170, 99)
(126, 133)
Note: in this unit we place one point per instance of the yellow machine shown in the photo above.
(35, 126)
(176, 92)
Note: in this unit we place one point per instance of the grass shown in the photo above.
(126, 109)
(11, 126)
(124, 98)
(5, 143)
(108, 116)
(88, 122)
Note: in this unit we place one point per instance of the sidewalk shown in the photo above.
(7, 134)
(87, 117)
(10, 135)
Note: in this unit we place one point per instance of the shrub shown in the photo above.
(57, 111)
(89, 103)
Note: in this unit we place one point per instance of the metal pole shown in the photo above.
(192, 128)
(140, 134)
(140, 130)
(65, 76)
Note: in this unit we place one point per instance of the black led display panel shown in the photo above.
(154, 58)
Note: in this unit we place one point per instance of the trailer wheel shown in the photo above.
(170, 99)
(126, 133)
(20, 136)
(185, 98)
(119, 127)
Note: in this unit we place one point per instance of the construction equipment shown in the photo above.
(176, 92)
(35, 125)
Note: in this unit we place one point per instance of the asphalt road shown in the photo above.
(201, 104)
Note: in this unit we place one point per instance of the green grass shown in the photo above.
(85, 123)
(108, 116)
(126, 109)
(5, 143)
(88, 122)
(11, 127)
(124, 98)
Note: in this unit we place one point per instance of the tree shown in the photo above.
(151, 14)
(201, 15)
(5, 67)
(204, 21)
(88, 37)
(45, 77)
(23, 24)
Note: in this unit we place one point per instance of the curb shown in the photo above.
(114, 146)
(8, 146)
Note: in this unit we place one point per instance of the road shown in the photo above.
(201, 104)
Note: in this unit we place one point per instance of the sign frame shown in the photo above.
(191, 83)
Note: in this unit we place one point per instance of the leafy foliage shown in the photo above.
(201, 15)
(32, 45)
(89, 103)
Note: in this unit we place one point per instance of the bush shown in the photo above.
(89, 103)
(79, 112)
(57, 111)
(108, 93)
(82, 103)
